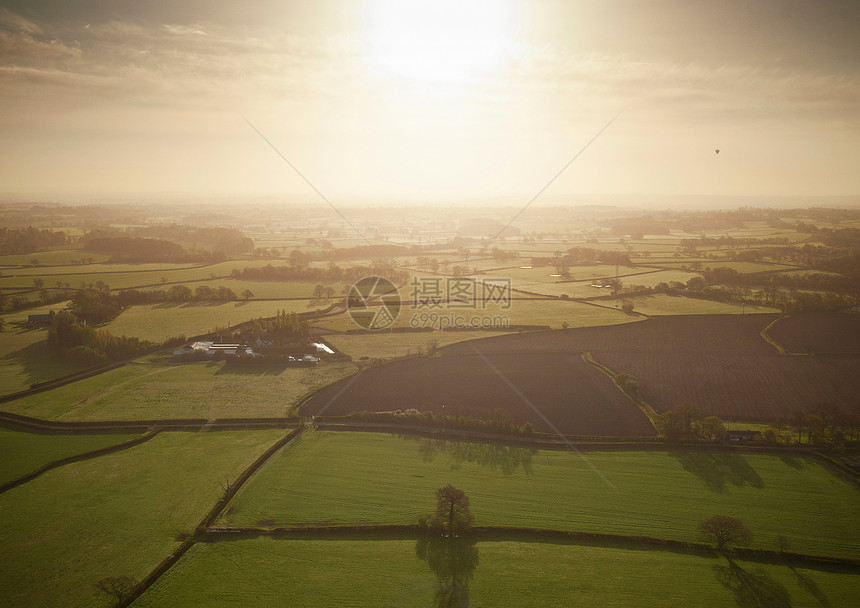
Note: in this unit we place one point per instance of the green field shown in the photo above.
(158, 322)
(153, 388)
(539, 280)
(22, 453)
(741, 267)
(24, 356)
(389, 345)
(50, 258)
(114, 515)
(124, 276)
(549, 312)
(108, 270)
(28, 360)
(665, 304)
(389, 573)
(365, 478)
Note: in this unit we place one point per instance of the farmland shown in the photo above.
(574, 396)
(24, 355)
(535, 312)
(389, 573)
(718, 363)
(22, 453)
(73, 525)
(158, 322)
(829, 334)
(156, 389)
(665, 304)
(114, 515)
(386, 345)
(331, 478)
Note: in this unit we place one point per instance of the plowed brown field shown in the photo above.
(719, 363)
(574, 396)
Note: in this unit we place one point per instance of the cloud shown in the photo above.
(13, 22)
(695, 91)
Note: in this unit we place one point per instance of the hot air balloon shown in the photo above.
(717, 151)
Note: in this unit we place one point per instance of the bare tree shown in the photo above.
(724, 531)
(120, 588)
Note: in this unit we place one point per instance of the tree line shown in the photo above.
(180, 293)
(82, 344)
(822, 424)
(29, 240)
(330, 273)
(209, 238)
(135, 250)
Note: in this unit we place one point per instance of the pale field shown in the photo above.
(158, 322)
(386, 345)
(548, 312)
(664, 304)
(49, 258)
(155, 388)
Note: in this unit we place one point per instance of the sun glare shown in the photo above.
(439, 41)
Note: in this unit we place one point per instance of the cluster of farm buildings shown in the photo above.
(265, 352)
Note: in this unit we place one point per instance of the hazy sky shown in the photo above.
(447, 99)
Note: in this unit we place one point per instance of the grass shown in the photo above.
(24, 355)
(107, 269)
(664, 304)
(51, 258)
(355, 478)
(552, 313)
(741, 267)
(389, 573)
(158, 322)
(542, 274)
(117, 515)
(22, 453)
(124, 276)
(388, 345)
(153, 388)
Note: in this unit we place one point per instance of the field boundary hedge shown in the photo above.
(767, 337)
(613, 376)
(17, 422)
(110, 449)
(503, 533)
(40, 387)
(229, 492)
(536, 439)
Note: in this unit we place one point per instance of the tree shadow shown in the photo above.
(719, 469)
(453, 560)
(752, 589)
(508, 459)
(812, 588)
(793, 461)
(39, 363)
